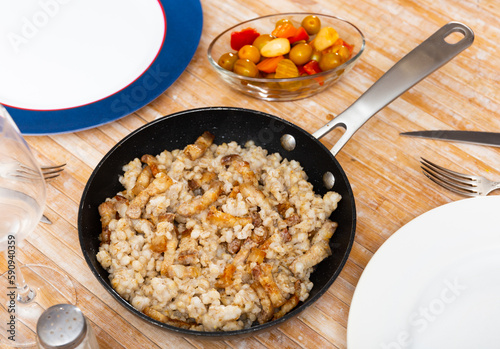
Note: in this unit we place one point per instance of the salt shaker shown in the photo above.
(64, 326)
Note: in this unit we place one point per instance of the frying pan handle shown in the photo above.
(427, 57)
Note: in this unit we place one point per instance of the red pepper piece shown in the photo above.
(300, 35)
(302, 71)
(312, 67)
(243, 37)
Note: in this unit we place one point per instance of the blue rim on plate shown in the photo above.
(184, 25)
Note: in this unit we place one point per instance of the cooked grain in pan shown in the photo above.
(215, 237)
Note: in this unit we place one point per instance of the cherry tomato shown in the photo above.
(249, 52)
(245, 67)
(301, 53)
(311, 24)
(227, 60)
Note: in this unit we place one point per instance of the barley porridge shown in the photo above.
(214, 237)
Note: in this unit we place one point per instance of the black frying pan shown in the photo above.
(276, 135)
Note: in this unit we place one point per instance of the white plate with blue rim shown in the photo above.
(435, 283)
(70, 65)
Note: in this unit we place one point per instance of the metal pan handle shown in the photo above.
(427, 57)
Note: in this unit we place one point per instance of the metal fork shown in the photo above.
(19, 171)
(51, 172)
(463, 184)
(23, 172)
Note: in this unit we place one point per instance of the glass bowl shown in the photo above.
(271, 89)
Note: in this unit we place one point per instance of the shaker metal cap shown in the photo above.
(61, 326)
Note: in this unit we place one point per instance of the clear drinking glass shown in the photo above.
(25, 291)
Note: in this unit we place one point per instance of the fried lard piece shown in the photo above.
(152, 162)
(188, 257)
(159, 242)
(263, 274)
(256, 196)
(319, 250)
(142, 226)
(313, 256)
(234, 192)
(109, 208)
(159, 185)
(158, 316)
(162, 217)
(325, 232)
(241, 166)
(226, 220)
(256, 255)
(226, 278)
(206, 177)
(169, 255)
(265, 302)
(196, 150)
(143, 180)
(170, 251)
(183, 272)
(281, 236)
(108, 212)
(244, 251)
(292, 219)
(289, 304)
(200, 203)
(187, 252)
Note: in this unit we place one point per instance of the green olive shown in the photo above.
(245, 67)
(262, 40)
(281, 22)
(227, 60)
(249, 52)
(329, 61)
(301, 54)
(311, 24)
(344, 53)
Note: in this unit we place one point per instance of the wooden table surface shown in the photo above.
(382, 166)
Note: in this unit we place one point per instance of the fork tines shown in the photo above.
(51, 172)
(454, 181)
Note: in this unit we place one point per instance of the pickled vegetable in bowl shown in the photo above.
(286, 56)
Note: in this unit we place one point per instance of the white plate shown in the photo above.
(74, 53)
(69, 65)
(435, 283)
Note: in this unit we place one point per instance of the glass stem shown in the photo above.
(25, 293)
